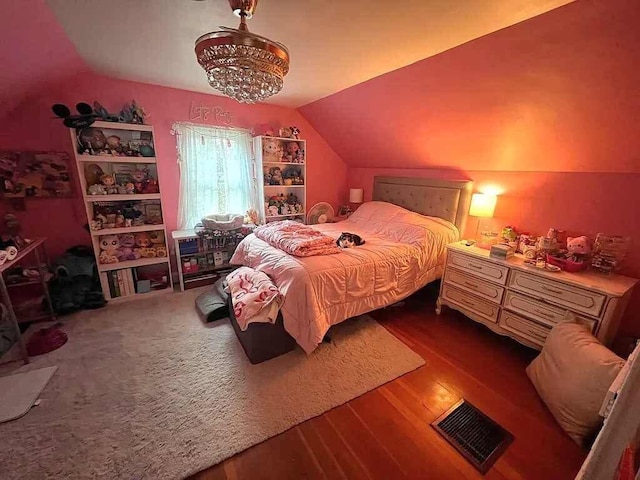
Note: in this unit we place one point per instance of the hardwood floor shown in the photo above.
(386, 433)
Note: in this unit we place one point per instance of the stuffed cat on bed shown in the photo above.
(349, 240)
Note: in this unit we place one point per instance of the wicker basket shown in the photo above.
(223, 222)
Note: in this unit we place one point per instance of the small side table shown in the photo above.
(37, 248)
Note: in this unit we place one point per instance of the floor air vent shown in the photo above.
(478, 438)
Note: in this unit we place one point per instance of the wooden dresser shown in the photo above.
(523, 302)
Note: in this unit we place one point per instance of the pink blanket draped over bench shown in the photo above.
(296, 239)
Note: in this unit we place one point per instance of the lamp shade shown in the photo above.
(483, 205)
(356, 195)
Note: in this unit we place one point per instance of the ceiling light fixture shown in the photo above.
(240, 64)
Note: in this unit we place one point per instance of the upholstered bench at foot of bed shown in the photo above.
(263, 341)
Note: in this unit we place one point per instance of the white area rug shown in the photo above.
(20, 391)
(146, 390)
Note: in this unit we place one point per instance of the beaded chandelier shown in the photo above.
(240, 64)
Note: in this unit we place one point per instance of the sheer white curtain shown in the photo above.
(217, 173)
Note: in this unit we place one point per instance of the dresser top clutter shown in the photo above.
(612, 284)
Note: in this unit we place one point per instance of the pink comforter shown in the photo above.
(296, 239)
(404, 252)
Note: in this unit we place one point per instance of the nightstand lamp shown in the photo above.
(483, 205)
(356, 195)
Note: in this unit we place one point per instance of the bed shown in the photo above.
(404, 250)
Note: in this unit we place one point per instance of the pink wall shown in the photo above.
(62, 220)
(558, 92)
(546, 109)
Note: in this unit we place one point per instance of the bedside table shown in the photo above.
(524, 302)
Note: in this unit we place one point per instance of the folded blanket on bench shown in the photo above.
(296, 239)
(254, 297)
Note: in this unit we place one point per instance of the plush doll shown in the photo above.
(129, 188)
(578, 248)
(276, 176)
(161, 251)
(295, 132)
(113, 144)
(292, 199)
(266, 175)
(126, 250)
(109, 183)
(91, 140)
(271, 150)
(139, 181)
(109, 245)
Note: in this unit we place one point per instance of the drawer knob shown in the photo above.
(477, 267)
(552, 290)
(467, 302)
(472, 285)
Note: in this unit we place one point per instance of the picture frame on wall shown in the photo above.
(35, 175)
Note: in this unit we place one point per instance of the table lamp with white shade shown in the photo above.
(356, 195)
(483, 205)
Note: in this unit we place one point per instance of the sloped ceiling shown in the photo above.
(558, 92)
(334, 44)
(35, 52)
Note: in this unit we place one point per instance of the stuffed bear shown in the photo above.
(109, 245)
(578, 248)
(126, 250)
(276, 176)
(271, 150)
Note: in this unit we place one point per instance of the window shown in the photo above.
(216, 172)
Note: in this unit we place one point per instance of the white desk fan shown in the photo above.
(320, 213)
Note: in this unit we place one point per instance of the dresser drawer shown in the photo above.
(574, 298)
(490, 271)
(524, 328)
(541, 312)
(485, 290)
(471, 303)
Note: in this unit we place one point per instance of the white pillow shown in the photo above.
(572, 375)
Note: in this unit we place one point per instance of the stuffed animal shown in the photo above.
(151, 186)
(276, 176)
(161, 251)
(113, 144)
(126, 250)
(271, 150)
(97, 189)
(142, 240)
(139, 181)
(156, 237)
(291, 152)
(92, 140)
(578, 248)
(272, 210)
(295, 132)
(109, 183)
(109, 245)
(266, 175)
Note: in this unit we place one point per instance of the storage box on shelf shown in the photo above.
(523, 302)
(118, 173)
(282, 180)
(204, 259)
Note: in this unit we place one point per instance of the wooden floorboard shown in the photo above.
(386, 433)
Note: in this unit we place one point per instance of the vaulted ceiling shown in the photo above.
(333, 44)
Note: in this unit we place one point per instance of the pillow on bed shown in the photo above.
(572, 376)
(401, 225)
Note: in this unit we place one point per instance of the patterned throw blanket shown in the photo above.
(254, 297)
(296, 239)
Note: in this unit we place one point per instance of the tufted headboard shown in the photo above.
(448, 199)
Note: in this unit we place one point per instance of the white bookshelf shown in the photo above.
(267, 191)
(119, 165)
